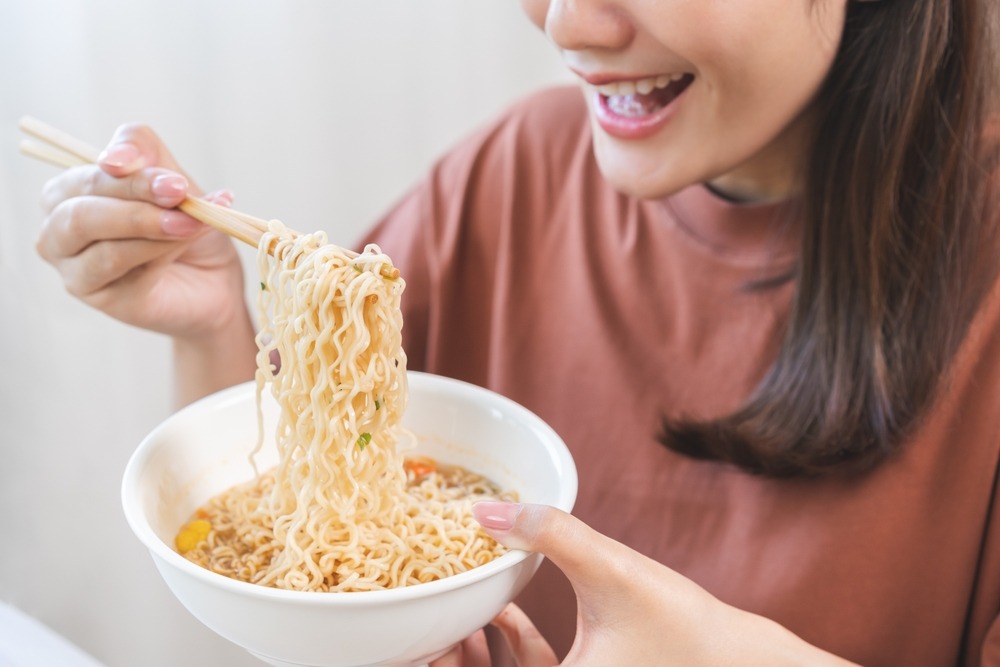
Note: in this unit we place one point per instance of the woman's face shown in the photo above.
(687, 91)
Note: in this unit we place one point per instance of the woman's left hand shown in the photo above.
(631, 610)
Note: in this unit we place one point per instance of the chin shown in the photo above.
(642, 182)
(641, 170)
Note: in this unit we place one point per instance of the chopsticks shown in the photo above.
(56, 147)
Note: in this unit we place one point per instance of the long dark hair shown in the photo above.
(897, 251)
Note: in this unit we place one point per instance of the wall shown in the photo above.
(317, 112)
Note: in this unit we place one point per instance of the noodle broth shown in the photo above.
(431, 536)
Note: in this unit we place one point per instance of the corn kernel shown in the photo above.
(200, 526)
(192, 535)
(186, 541)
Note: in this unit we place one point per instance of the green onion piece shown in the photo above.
(363, 440)
(262, 285)
(378, 405)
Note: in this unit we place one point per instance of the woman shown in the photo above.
(750, 278)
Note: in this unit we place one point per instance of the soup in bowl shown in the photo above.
(204, 449)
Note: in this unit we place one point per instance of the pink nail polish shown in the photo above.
(221, 197)
(169, 186)
(175, 223)
(119, 156)
(495, 515)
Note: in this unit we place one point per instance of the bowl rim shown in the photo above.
(162, 552)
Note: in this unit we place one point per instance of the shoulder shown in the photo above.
(509, 171)
(551, 114)
(479, 204)
(514, 171)
(558, 114)
(535, 135)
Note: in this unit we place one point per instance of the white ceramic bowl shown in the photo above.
(202, 450)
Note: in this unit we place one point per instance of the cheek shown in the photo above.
(536, 11)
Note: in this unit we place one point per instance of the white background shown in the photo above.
(320, 113)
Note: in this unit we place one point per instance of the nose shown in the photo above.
(577, 25)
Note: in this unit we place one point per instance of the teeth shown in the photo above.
(643, 86)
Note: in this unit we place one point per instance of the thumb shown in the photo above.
(585, 556)
(134, 146)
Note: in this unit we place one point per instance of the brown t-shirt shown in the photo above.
(528, 274)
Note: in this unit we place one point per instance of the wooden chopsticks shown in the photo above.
(59, 148)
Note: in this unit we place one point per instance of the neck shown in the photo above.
(773, 174)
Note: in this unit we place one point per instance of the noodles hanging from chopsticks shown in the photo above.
(342, 510)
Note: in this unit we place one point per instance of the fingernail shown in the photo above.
(169, 186)
(175, 223)
(221, 197)
(496, 515)
(119, 155)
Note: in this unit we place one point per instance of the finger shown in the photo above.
(135, 146)
(452, 658)
(220, 197)
(155, 185)
(526, 644)
(585, 556)
(94, 271)
(476, 650)
(473, 651)
(81, 221)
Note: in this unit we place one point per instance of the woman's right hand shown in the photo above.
(112, 232)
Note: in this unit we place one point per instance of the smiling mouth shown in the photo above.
(643, 97)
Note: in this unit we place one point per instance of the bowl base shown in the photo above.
(422, 662)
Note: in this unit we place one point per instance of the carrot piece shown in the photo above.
(420, 467)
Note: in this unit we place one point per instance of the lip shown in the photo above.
(632, 128)
(600, 78)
